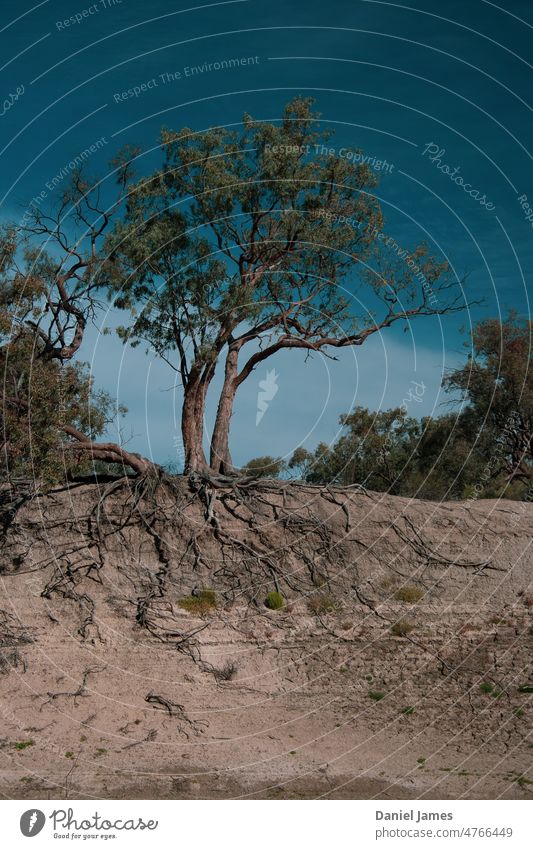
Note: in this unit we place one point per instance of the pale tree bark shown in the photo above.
(220, 457)
(192, 418)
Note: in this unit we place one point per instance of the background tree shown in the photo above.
(496, 384)
(388, 451)
(244, 244)
(265, 467)
(49, 285)
(482, 450)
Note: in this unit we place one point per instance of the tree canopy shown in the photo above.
(244, 243)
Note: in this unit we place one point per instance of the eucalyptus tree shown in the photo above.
(247, 242)
(52, 276)
(496, 385)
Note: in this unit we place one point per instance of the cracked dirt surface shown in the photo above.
(398, 667)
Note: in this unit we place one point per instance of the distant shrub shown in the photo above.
(485, 687)
(408, 710)
(321, 603)
(200, 604)
(24, 744)
(274, 600)
(409, 594)
(401, 628)
(376, 695)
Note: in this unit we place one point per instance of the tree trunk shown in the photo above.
(192, 421)
(220, 459)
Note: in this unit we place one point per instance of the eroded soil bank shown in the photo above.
(399, 665)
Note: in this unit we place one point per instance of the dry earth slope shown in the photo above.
(399, 665)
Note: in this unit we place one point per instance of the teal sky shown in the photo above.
(389, 78)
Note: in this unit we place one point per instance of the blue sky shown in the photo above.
(388, 78)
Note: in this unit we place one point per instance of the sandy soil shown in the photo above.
(110, 689)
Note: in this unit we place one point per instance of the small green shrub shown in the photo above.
(376, 695)
(200, 604)
(408, 710)
(274, 601)
(321, 603)
(420, 760)
(69, 754)
(409, 594)
(24, 744)
(401, 628)
(485, 687)
(525, 688)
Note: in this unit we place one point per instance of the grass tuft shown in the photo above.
(376, 695)
(409, 594)
(200, 604)
(274, 601)
(321, 603)
(401, 628)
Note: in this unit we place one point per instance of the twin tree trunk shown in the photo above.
(192, 424)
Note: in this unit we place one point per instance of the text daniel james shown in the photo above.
(421, 816)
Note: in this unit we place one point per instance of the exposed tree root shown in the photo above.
(80, 691)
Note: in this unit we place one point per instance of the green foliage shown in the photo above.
(42, 390)
(376, 695)
(392, 452)
(485, 450)
(274, 601)
(24, 744)
(497, 383)
(264, 201)
(485, 687)
(264, 467)
(408, 710)
(201, 604)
